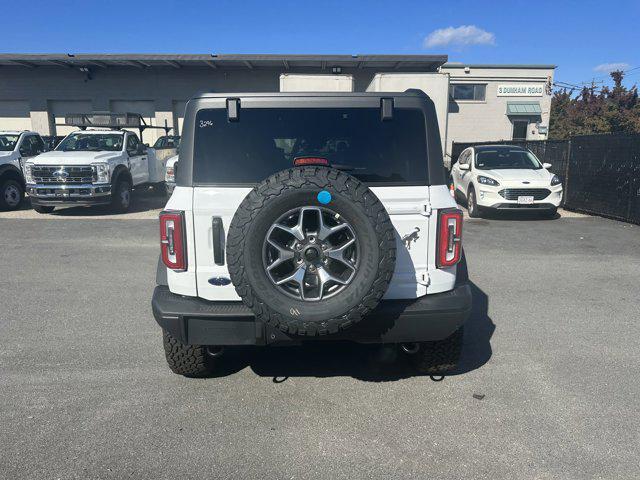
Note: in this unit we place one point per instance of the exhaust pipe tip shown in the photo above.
(410, 348)
(214, 351)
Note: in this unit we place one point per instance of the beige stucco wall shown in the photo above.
(471, 121)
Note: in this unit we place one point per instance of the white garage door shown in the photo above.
(59, 108)
(178, 115)
(146, 108)
(14, 115)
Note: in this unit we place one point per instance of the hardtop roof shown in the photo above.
(408, 93)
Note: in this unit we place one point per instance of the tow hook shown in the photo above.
(215, 351)
(410, 348)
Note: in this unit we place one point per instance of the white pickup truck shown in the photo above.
(16, 148)
(94, 167)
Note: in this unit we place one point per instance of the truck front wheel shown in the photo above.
(121, 197)
(11, 194)
(195, 361)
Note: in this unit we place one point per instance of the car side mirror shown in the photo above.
(141, 149)
(464, 166)
(546, 165)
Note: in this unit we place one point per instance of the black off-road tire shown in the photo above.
(438, 358)
(298, 187)
(118, 203)
(13, 190)
(188, 360)
(43, 208)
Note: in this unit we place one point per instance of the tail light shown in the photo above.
(301, 161)
(172, 240)
(449, 243)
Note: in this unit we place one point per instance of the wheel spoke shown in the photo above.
(284, 254)
(325, 231)
(296, 277)
(338, 253)
(324, 277)
(293, 231)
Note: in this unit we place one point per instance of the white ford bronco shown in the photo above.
(99, 165)
(303, 217)
(16, 148)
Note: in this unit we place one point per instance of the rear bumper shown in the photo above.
(69, 194)
(198, 322)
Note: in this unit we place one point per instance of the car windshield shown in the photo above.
(506, 158)
(91, 142)
(8, 142)
(267, 140)
(167, 142)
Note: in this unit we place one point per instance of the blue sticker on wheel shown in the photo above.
(324, 197)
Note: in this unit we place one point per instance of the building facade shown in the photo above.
(481, 102)
(498, 102)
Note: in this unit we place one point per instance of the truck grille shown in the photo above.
(514, 193)
(63, 174)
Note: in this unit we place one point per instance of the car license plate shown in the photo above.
(525, 200)
(62, 193)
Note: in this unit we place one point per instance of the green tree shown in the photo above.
(611, 110)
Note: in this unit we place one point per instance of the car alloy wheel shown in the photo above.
(311, 253)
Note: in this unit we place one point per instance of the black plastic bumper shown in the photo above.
(70, 201)
(516, 206)
(198, 322)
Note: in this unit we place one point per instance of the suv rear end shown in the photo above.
(381, 151)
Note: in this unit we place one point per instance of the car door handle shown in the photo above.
(217, 235)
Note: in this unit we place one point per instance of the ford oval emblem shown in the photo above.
(219, 281)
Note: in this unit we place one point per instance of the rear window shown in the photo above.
(265, 141)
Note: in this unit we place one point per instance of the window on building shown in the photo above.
(467, 91)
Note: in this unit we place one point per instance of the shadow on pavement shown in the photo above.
(373, 363)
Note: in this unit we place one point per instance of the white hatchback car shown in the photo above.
(504, 177)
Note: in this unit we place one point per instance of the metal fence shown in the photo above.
(604, 176)
(600, 173)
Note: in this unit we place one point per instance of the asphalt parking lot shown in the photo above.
(548, 386)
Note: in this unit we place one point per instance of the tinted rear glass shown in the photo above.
(266, 141)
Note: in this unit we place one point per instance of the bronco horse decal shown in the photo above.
(411, 237)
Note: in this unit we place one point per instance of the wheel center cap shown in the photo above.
(311, 254)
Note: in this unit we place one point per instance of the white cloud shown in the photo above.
(459, 36)
(611, 67)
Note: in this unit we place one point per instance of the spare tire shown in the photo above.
(311, 250)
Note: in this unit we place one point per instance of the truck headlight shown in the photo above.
(28, 176)
(487, 181)
(102, 172)
(555, 180)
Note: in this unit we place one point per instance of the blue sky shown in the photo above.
(577, 36)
